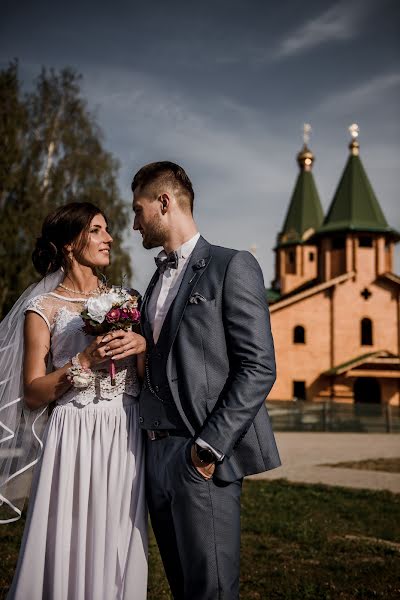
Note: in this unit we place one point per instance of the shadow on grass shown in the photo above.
(294, 545)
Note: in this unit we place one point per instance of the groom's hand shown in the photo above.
(121, 344)
(206, 470)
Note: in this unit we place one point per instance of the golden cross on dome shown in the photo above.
(354, 130)
(306, 133)
(354, 145)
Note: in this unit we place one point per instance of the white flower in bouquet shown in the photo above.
(98, 307)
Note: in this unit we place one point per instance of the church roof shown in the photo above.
(392, 277)
(375, 360)
(355, 206)
(304, 214)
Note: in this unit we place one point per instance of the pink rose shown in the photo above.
(135, 315)
(125, 313)
(113, 315)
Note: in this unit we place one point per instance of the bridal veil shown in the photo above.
(20, 428)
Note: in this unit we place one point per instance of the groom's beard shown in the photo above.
(155, 234)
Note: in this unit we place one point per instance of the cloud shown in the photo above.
(226, 147)
(140, 110)
(362, 95)
(241, 163)
(339, 23)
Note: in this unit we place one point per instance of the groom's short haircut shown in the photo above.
(154, 178)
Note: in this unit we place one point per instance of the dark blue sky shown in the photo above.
(223, 88)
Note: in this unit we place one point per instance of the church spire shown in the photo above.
(304, 213)
(354, 206)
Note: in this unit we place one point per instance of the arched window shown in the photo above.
(366, 332)
(299, 335)
(290, 266)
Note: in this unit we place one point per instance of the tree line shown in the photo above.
(51, 153)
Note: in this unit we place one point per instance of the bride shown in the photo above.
(85, 536)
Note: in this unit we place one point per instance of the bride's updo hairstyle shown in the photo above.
(69, 224)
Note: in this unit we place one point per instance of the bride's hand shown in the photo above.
(94, 354)
(121, 344)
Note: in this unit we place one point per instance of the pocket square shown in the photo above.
(196, 298)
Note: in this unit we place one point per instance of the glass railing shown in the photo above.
(333, 416)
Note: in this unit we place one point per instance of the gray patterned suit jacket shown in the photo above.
(221, 363)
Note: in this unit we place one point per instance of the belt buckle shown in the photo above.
(157, 434)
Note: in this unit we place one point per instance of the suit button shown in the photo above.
(141, 420)
(156, 423)
(156, 388)
(158, 355)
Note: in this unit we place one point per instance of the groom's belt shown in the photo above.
(159, 434)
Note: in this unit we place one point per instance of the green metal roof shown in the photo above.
(354, 205)
(304, 212)
(357, 360)
(349, 363)
(272, 295)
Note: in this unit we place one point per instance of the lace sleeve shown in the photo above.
(41, 305)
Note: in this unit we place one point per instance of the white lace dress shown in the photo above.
(86, 531)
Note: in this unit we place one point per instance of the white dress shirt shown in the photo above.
(164, 293)
(167, 286)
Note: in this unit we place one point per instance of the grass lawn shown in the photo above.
(389, 465)
(299, 542)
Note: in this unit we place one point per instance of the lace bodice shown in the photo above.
(62, 316)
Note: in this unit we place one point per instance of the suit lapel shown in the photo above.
(197, 266)
(198, 263)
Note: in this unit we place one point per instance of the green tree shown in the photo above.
(51, 153)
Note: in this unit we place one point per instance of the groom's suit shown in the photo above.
(207, 377)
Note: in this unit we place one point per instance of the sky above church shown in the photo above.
(223, 87)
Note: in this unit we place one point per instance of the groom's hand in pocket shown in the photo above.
(121, 344)
(206, 470)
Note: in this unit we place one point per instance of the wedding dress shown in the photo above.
(85, 536)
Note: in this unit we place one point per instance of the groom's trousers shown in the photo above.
(196, 523)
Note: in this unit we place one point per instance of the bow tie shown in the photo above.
(167, 262)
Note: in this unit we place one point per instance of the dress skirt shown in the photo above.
(86, 531)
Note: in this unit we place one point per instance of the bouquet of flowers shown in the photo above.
(109, 311)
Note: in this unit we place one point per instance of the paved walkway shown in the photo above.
(302, 455)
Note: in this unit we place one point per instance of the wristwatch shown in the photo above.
(205, 456)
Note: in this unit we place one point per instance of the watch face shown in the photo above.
(205, 455)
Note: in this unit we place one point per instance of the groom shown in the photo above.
(209, 367)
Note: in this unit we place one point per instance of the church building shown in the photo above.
(335, 301)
